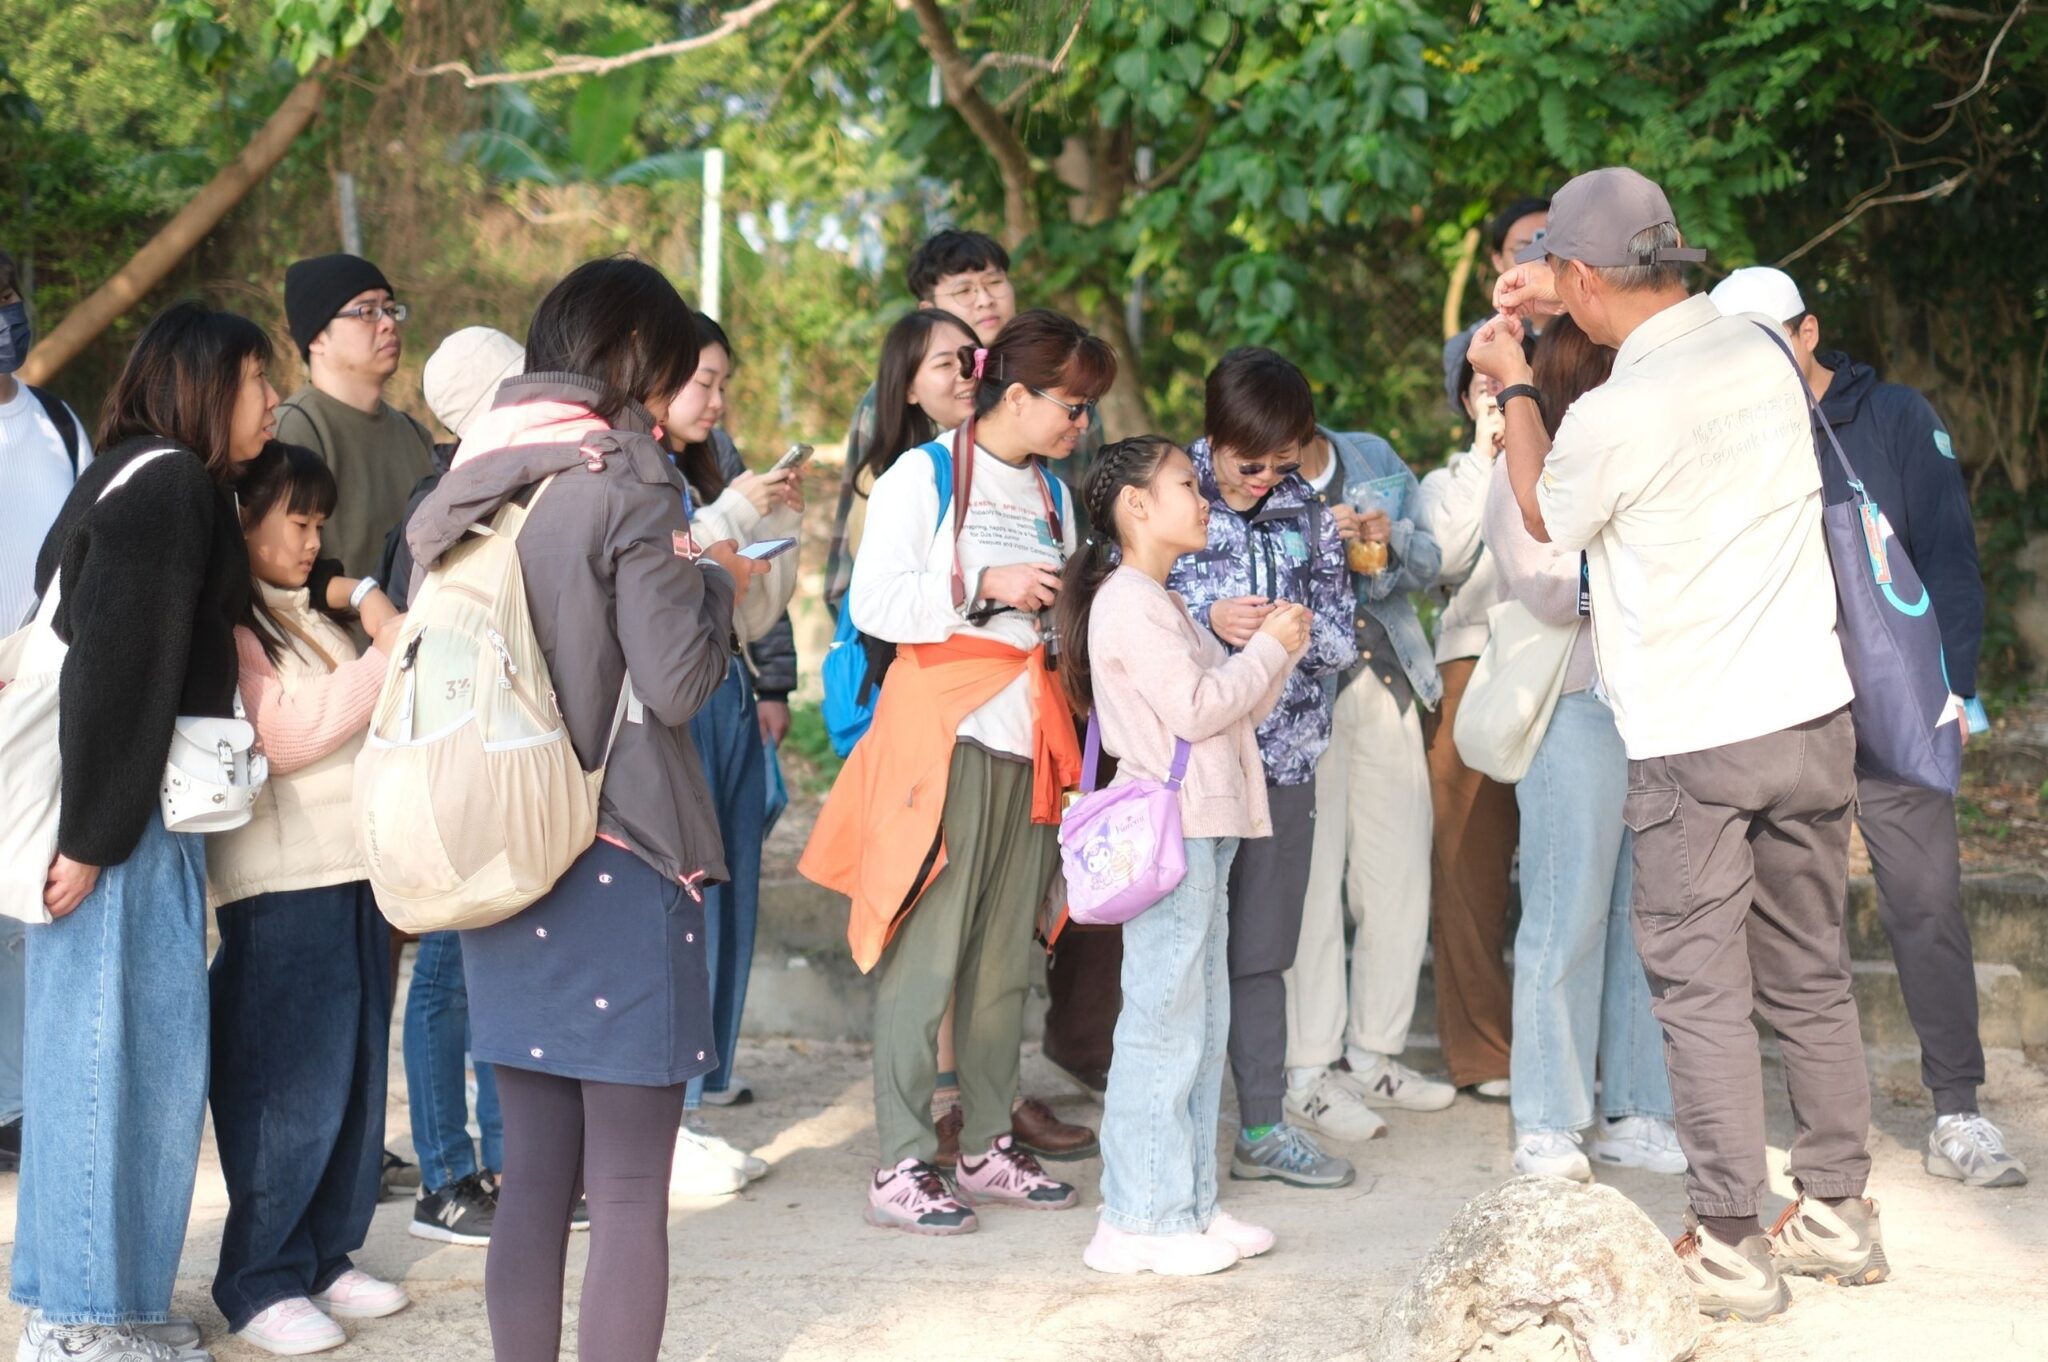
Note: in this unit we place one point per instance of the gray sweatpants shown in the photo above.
(1914, 854)
(1268, 885)
(1741, 867)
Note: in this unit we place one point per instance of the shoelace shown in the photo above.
(1979, 1132)
(928, 1182)
(1555, 1143)
(1297, 1153)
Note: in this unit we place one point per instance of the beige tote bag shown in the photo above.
(1508, 703)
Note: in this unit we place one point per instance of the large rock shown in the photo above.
(1543, 1268)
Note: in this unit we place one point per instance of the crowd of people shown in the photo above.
(1240, 615)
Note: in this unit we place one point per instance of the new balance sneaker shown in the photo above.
(355, 1294)
(460, 1213)
(914, 1196)
(1552, 1154)
(292, 1328)
(1008, 1176)
(1384, 1080)
(699, 1170)
(397, 1176)
(1842, 1244)
(1732, 1281)
(1638, 1142)
(1286, 1154)
(1329, 1106)
(1971, 1150)
(1249, 1240)
(177, 1337)
(1170, 1255)
(749, 1167)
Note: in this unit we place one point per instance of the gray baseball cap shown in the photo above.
(1595, 214)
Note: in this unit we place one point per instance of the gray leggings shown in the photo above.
(613, 1142)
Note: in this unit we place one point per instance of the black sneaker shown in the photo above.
(460, 1213)
(398, 1176)
(10, 1146)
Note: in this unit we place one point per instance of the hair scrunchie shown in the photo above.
(980, 359)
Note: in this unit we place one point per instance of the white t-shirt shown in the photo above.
(1690, 480)
(903, 576)
(35, 477)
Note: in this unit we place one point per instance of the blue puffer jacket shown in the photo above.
(1413, 560)
(1285, 549)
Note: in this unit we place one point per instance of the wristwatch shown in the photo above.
(1509, 394)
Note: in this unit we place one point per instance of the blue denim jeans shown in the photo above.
(114, 1081)
(1166, 1077)
(13, 987)
(436, 1081)
(301, 1042)
(727, 732)
(1580, 990)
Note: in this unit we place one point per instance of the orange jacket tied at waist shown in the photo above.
(877, 840)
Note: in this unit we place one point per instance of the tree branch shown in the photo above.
(1985, 75)
(1013, 161)
(1865, 204)
(584, 64)
(1171, 171)
(1047, 68)
(1959, 14)
(810, 50)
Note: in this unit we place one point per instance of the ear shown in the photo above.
(1015, 396)
(1809, 331)
(318, 345)
(1133, 501)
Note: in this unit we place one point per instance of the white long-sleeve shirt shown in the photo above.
(35, 478)
(1451, 506)
(903, 578)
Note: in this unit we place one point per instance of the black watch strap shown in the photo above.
(1509, 394)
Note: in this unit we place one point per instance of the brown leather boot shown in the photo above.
(949, 1137)
(1045, 1135)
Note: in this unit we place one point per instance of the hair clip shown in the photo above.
(980, 359)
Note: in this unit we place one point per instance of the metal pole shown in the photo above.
(714, 222)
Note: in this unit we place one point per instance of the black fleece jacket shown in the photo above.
(1906, 461)
(154, 579)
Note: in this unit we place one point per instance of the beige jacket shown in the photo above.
(310, 722)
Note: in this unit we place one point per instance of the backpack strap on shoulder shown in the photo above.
(64, 419)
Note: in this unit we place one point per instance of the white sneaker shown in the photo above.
(699, 1170)
(1170, 1255)
(736, 1094)
(1971, 1150)
(355, 1294)
(1493, 1090)
(1389, 1082)
(1329, 1106)
(1249, 1240)
(178, 1333)
(751, 1168)
(1551, 1153)
(1638, 1142)
(103, 1343)
(292, 1328)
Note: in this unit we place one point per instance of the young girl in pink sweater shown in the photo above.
(302, 981)
(1136, 657)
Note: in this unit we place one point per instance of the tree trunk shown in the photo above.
(161, 254)
(956, 73)
(1097, 167)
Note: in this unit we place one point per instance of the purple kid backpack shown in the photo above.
(1121, 848)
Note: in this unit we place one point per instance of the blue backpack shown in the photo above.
(856, 662)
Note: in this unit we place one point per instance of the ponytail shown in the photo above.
(1126, 463)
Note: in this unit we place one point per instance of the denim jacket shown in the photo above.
(1288, 548)
(1413, 560)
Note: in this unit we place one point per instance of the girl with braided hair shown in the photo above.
(1152, 675)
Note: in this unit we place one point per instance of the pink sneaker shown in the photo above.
(355, 1294)
(1249, 1240)
(913, 1196)
(1170, 1255)
(1008, 1175)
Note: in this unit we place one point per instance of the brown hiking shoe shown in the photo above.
(1732, 1281)
(948, 1127)
(1045, 1135)
(1841, 1244)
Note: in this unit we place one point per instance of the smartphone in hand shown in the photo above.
(767, 548)
(796, 456)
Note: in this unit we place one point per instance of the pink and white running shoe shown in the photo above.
(1008, 1176)
(913, 1196)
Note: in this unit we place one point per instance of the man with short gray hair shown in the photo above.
(1690, 482)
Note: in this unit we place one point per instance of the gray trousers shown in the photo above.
(1741, 867)
(1268, 885)
(1914, 855)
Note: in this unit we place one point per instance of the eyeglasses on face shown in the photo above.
(1076, 411)
(375, 312)
(992, 286)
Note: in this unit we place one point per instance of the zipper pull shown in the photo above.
(507, 669)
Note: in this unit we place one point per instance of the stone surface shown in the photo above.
(1543, 1268)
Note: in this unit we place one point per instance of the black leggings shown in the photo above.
(613, 1142)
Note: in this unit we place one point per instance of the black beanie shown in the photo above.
(316, 289)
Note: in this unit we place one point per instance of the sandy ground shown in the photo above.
(788, 1269)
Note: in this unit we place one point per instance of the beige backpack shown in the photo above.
(469, 799)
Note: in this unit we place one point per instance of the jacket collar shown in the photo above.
(1680, 319)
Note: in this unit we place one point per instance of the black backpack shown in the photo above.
(66, 422)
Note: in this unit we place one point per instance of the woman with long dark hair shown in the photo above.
(941, 825)
(593, 1004)
(1579, 987)
(152, 577)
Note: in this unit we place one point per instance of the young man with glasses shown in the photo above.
(342, 315)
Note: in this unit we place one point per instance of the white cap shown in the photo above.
(461, 377)
(1759, 288)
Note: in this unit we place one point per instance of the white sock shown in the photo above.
(1362, 1061)
(1302, 1078)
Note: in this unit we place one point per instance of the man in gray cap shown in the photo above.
(1690, 482)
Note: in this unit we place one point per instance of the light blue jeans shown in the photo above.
(1580, 990)
(13, 987)
(114, 1080)
(1166, 1079)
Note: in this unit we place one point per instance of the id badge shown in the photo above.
(1873, 541)
(686, 546)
